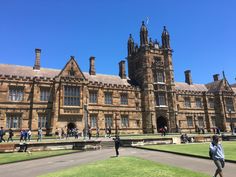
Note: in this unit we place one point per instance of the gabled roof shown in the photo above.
(27, 71)
(218, 86)
(72, 68)
(214, 86)
(182, 86)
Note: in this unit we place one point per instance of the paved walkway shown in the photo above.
(42, 166)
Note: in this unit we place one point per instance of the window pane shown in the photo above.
(108, 121)
(108, 98)
(124, 121)
(124, 98)
(200, 122)
(190, 121)
(13, 121)
(187, 102)
(71, 96)
(229, 104)
(16, 93)
(92, 97)
(211, 102)
(198, 102)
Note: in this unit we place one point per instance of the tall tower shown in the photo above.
(150, 67)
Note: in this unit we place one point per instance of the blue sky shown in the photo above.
(203, 33)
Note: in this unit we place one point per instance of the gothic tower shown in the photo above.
(150, 67)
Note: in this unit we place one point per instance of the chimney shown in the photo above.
(188, 78)
(122, 69)
(37, 59)
(216, 77)
(92, 66)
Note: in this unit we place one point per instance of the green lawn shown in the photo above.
(201, 149)
(21, 156)
(125, 167)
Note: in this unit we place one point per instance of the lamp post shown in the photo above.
(116, 131)
(176, 125)
(85, 120)
(231, 122)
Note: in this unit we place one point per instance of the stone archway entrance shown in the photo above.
(71, 125)
(161, 122)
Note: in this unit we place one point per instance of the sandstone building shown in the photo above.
(145, 101)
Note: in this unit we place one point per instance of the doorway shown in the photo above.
(71, 126)
(161, 122)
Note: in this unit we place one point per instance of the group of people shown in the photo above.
(25, 135)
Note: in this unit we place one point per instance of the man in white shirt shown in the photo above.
(218, 156)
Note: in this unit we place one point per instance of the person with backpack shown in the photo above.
(11, 134)
(40, 134)
(2, 133)
(216, 153)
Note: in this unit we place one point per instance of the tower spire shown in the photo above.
(143, 35)
(130, 45)
(165, 38)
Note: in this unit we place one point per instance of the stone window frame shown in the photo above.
(93, 120)
(45, 93)
(189, 120)
(108, 98)
(124, 98)
(71, 95)
(125, 121)
(159, 101)
(159, 76)
(198, 102)
(43, 120)
(93, 96)
(108, 120)
(14, 120)
(200, 120)
(211, 103)
(229, 103)
(213, 121)
(16, 93)
(187, 102)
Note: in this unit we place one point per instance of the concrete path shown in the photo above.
(42, 166)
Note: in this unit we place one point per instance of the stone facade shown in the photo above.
(144, 102)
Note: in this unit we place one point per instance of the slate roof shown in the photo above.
(182, 86)
(214, 86)
(233, 85)
(27, 71)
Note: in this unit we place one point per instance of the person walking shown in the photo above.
(40, 134)
(109, 132)
(21, 135)
(25, 134)
(117, 144)
(2, 133)
(29, 133)
(89, 132)
(217, 155)
(97, 132)
(11, 134)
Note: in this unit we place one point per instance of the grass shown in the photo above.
(125, 167)
(201, 149)
(22, 156)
